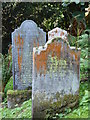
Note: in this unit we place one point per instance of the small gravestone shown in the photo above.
(56, 74)
(57, 32)
(23, 41)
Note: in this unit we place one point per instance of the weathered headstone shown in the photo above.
(57, 32)
(55, 78)
(23, 41)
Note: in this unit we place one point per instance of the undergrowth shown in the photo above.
(25, 110)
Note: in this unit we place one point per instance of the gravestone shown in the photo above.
(57, 32)
(56, 74)
(23, 41)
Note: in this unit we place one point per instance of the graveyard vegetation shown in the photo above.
(24, 111)
(76, 20)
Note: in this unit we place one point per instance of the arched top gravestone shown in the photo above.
(27, 36)
(30, 27)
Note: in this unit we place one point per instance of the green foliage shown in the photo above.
(6, 69)
(9, 85)
(82, 110)
(46, 15)
(84, 67)
(20, 112)
(83, 43)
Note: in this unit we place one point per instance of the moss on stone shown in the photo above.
(17, 97)
(17, 92)
(56, 104)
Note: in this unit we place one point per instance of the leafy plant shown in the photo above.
(46, 15)
(6, 68)
(83, 43)
(20, 112)
(9, 85)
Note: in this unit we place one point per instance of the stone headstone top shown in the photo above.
(57, 32)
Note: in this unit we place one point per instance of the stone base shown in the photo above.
(17, 97)
(44, 108)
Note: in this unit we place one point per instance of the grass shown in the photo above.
(20, 112)
(25, 110)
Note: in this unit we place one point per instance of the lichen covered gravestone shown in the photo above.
(23, 40)
(57, 32)
(55, 78)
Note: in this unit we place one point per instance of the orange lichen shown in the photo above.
(62, 33)
(75, 54)
(56, 31)
(15, 41)
(19, 41)
(19, 62)
(34, 43)
(38, 44)
(41, 60)
(53, 49)
(19, 44)
(10, 50)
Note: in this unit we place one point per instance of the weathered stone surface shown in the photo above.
(57, 32)
(55, 77)
(17, 97)
(23, 40)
